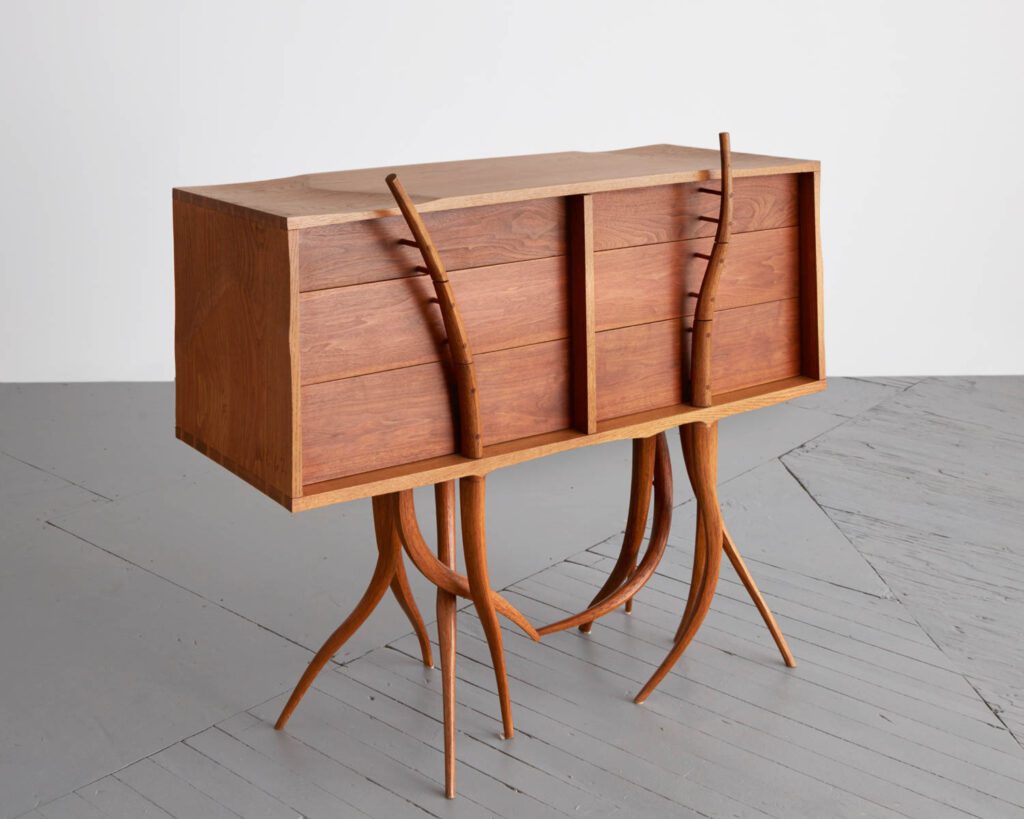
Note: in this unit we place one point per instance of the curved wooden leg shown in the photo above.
(697, 572)
(704, 443)
(660, 527)
(472, 494)
(444, 502)
(629, 603)
(737, 561)
(437, 572)
(390, 555)
(755, 595)
(696, 575)
(636, 522)
(402, 592)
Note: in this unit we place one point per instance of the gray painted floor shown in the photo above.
(155, 611)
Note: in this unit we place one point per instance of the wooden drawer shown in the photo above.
(639, 285)
(399, 416)
(640, 368)
(368, 251)
(385, 325)
(671, 213)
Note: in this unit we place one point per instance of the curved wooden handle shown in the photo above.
(470, 443)
(700, 357)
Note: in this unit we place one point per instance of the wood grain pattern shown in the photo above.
(447, 612)
(641, 367)
(389, 557)
(460, 353)
(638, 285)
(498, 456)
(671, 213)
(386, 325)
(583, 315)
(437, 572)
(704, 452)
(641, 481)
(350, 196)
(375, 421)
(812, 298)
(660, 472)
(236, 380)
(747, 579)
(701, 393)
(472, 505)
(327, 349)
(368, 251)
(524, 391)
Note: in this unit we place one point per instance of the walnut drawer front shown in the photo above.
(400, 416)
(385, 325)
(638, 285)
(672, 213)
(369, 251)
(641, 367)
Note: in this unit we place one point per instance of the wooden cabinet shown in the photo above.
(311, 357)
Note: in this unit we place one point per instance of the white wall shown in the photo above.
(915, 110)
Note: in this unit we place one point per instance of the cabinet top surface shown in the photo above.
(318, 199)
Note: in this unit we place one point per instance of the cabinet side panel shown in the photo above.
(235, 388)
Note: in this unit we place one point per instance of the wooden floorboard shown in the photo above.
(905, 625)
(929, 487)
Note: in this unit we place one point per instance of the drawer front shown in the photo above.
(384, 325)
(637, 285)
(368, 251)
(399, 416)
(641, 367)
(671, 213)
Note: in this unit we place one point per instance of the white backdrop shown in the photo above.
(915, 110)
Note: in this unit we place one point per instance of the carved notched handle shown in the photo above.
(470, 444)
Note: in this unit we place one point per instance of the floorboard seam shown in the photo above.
(541, 715)
(994, 709)
(115, 772)
(183, 740)
(198, 790)
(178, 585)
(757, 705)
(138, 793)
(413, 708)
(887, 384)
(824, 511)
(55, 475)
(357, 772)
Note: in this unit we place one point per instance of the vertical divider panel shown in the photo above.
(812, 302)
(582, 320)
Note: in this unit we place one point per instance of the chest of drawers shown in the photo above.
(311, 357)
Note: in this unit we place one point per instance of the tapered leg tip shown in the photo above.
(640, 699)
(585, 627)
